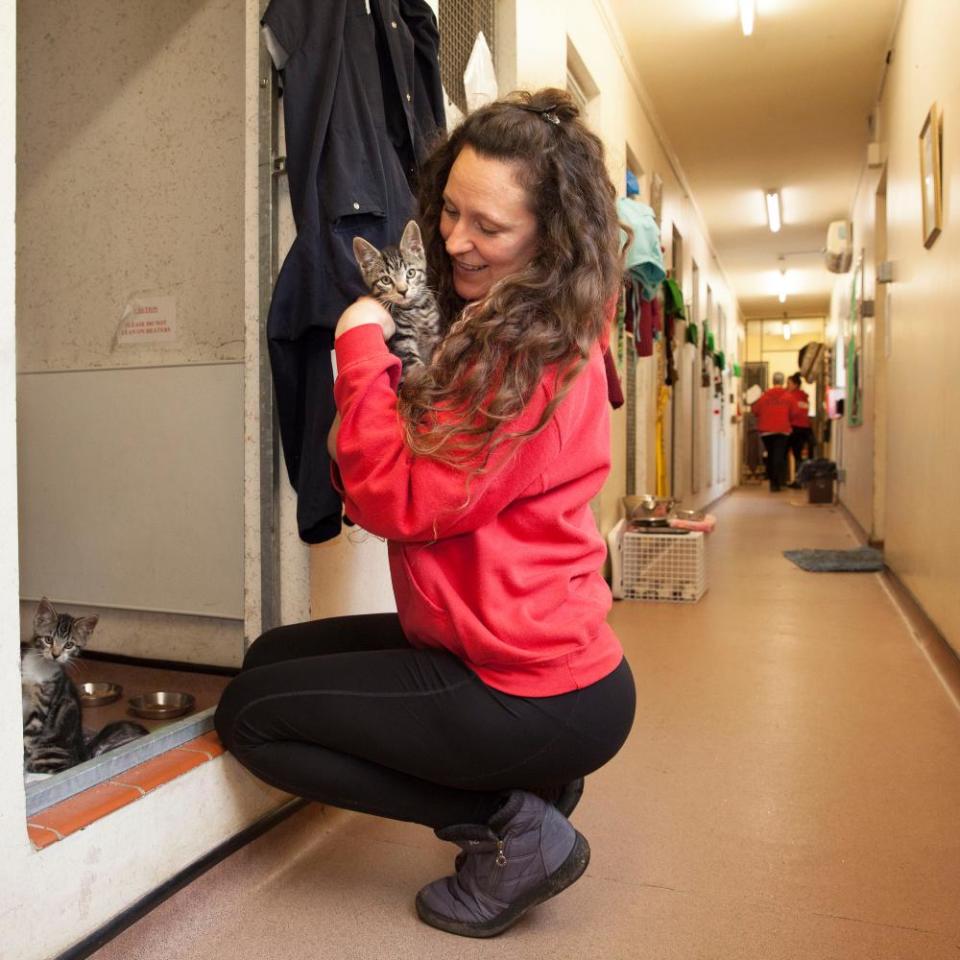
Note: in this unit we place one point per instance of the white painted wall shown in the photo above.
(922, 452)
(623, 118)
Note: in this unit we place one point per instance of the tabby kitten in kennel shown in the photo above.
(397, 277)
(53, 737)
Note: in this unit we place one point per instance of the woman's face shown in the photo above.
(486, 223)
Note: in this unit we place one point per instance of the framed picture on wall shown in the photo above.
(656, 195)
(930, 177)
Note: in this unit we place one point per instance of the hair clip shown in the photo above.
(546, 112)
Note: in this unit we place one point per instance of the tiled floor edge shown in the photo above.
(51, 825)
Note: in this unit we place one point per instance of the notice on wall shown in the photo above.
(148, 319)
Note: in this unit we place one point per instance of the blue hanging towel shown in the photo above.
(644, 257)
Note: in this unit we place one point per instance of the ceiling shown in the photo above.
(787, 107)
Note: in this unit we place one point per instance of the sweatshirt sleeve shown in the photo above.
(395, 494)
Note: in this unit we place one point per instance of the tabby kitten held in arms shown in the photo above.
(397, 277)
(53, 737)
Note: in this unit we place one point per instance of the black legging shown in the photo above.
(776, 444)
(798, 438)
(346, 712)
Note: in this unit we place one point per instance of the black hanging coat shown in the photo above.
(362, 104)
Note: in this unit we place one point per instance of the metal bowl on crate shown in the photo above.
(162, 704)
(689, 515)
(648, 510)
(98, 693)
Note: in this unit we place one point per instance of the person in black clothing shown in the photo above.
(801, 433)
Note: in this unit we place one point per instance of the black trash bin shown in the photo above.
(818, 476)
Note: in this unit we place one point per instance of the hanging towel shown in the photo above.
(673, 299)
(614, 388)
(480, 77)
(644, 257)
(644, 333)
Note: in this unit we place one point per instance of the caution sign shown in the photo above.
(148, 320)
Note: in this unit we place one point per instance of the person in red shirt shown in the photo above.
(772, 410)
(801, 432)
(477, 708)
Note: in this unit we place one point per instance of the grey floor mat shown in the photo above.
(860, 560)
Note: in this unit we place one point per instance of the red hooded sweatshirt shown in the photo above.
(800, 410)
(504, 575)
(772, 411)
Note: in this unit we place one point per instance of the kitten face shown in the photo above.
(58, 636)
(396, 275)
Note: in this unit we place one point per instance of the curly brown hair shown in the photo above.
(495, 350)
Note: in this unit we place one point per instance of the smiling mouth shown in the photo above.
(468, 268)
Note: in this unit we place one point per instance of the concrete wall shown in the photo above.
(917, 453)
(148, 841)
(130, 194)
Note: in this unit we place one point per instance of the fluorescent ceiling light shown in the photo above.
(746, 16)
(782, 286)
(773, 210)
(787, 332)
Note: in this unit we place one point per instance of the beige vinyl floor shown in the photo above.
(790, 791)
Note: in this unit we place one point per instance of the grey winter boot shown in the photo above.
(527, 853)
(565, 798)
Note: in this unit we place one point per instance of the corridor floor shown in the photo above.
(791, 789)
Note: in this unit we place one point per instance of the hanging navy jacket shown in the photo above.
(362, 103)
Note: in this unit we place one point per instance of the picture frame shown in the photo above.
(931, 195)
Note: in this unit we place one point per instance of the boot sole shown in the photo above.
(567, 873)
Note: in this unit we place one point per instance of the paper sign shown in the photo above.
(148, 320)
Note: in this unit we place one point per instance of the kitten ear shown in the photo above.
(411, 245)
(368, 258)
(45, 619)
(83, 627)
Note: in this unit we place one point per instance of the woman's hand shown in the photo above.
(366, 310)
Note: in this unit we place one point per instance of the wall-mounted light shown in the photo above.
(773, 210)
(747, 10)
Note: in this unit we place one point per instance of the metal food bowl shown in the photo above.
(98, 694)
(162, 704)
(689, 514)
(648, 508)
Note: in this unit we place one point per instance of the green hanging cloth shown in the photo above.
(736, 370)
(711, 343)
(720, 360)
(692, 333)
(673, 300)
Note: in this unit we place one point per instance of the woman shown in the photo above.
(772, 411)
(801, 431)
(479, 707)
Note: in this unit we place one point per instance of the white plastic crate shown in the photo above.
(666, 567)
